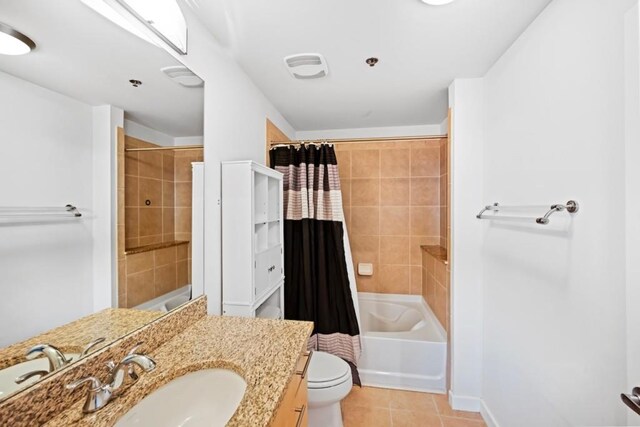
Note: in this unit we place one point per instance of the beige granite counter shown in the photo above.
(438, 252)
(264, 352)
(110, 324)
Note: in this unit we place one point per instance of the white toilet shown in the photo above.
(328, 382)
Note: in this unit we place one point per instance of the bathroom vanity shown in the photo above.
(261, 363)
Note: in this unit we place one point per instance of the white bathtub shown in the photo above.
(168, 301)
(403, 344)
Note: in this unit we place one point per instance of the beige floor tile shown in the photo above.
(461, 422)
(444, 409)
(403, 418)
(369, 397)
(412, 401)
(359, 416)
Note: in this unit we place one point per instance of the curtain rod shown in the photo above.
(183, 147)
(357, 140)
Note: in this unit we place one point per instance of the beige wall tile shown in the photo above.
(416, 280)
(165, 256)
(131, 166)
(132, 230)
(168, 167)
(140, 262)
(183, 194)
(425, 221)
(395, 279)
(425, 191)
(344, 164)
(140, 287)
(395, 221)
(183, 171)
(182, 252)
(150, 164)
(168, 222)
(425, 162)
(165, 279)
(424, 284)
(183, 220)
(150, 240)
(365, 221)
(365, 192)
(345, 188)
(431, 291)
(394, 191)
(182, 273)
(440, 308)
(365, 164)
(151, 190)
(365, 248)
(347, 217)
(168, 194)
(131, 197)
(395, 163)
(395, 250)
(440, 273)
(122, 283)
(150, 221)
(416, 251)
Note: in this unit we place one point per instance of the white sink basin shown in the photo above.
(8, 375)
(203, 398)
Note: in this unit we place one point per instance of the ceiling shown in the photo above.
(83, 55)
(421, 50)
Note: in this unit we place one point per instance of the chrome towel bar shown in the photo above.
(571, 206)
(30, 212)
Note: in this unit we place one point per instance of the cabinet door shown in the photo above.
(275, 265)
(261, 277)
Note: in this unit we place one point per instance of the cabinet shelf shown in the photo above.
(252, 239)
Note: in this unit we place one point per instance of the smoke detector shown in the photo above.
(306, 66)
(183, 76)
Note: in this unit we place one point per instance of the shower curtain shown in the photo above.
(317, 286)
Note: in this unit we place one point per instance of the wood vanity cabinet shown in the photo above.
(293, 410)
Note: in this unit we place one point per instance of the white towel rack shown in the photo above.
(571, 206)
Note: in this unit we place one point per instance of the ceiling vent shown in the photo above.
(183, 76)
(306, 66)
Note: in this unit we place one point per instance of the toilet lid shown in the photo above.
(326, 368)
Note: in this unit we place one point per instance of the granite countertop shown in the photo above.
(438, 252)
(110, 324)
(264, 352)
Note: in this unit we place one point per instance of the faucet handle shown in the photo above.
(135, 348)
(87, 348)
(95, 383)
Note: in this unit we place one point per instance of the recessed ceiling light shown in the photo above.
(13, 42)
(437, 2)
(135, 83)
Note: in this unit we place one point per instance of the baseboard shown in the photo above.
(487, 415)
(473, 404)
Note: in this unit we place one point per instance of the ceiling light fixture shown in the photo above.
(371, 62)
(135, 83)
(437, 2)
(13, 42)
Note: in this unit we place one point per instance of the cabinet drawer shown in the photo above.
(293, 411)
(268, 269)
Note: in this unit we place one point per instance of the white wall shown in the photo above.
(46, 160)
(234, 129)
(554, 298)
(391, 131)
(106, 120)
(145, 133)
(466, 97)
(632, 188)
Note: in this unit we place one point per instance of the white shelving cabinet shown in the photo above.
(252, 240)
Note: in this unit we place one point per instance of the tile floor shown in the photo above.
(378, 407)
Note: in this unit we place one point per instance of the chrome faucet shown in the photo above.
(56, 358)
(100, 394)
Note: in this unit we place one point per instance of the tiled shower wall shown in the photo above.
(157, 210)
(392, 201)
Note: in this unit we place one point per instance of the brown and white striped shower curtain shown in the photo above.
(316, 280)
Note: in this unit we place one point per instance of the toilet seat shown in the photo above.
(327, 370)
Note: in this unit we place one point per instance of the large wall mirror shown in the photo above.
(100, 139)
